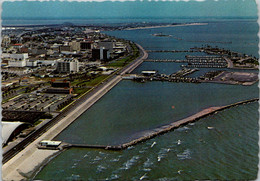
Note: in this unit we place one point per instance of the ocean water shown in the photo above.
(226, 152)
(239, 36)
(110, 21)
(229, 151)
(131, 108)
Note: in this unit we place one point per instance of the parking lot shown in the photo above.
(36, 102)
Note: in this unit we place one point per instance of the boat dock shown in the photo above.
(160, 130)
(154, 76)
(233, 59)
(172, 51)
(199, 61)
(166, 60)
(183, 72)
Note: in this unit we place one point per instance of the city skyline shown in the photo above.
(136, 90)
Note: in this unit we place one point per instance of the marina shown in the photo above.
(199, 62)
(187, 113)
(172, 51)
(218, 153)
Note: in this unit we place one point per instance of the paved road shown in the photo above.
(59, 123)
(230, 63)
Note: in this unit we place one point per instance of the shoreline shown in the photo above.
(32, 157)
(166, 26)
(38, 158)
(149, 134)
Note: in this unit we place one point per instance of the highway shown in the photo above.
(66, 117)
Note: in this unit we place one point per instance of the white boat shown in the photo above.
(153, 144)
(179, 142)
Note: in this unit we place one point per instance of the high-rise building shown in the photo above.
(107, 45)
(67, 65)
(86, 45)
(75, 46)
(100, 54)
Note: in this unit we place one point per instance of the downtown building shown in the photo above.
(67, 65)
(100, 54)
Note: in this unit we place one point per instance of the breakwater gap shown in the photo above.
(151, 133)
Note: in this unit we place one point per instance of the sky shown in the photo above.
(129, 9)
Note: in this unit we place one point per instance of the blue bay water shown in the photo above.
(227, 152)
(132, 107)
(241, 34)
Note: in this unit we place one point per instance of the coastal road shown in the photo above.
(58, 124)
(129, 68)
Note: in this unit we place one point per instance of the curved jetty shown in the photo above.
(163, 129)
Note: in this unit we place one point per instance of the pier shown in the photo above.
(174, 77)
(183, 72)
(160, 130)
(233, 59)
(206, 65)
(199, 61)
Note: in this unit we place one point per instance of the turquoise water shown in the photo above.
(227, 152)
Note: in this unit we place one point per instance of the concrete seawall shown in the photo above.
(166, 128)
(32, 157)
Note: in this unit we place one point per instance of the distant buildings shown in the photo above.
(100, 54)
(60, 88)
(59, 50)
(16, 60)
(67, 65)
(106, 45)
(74, 45)
(86, 45)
